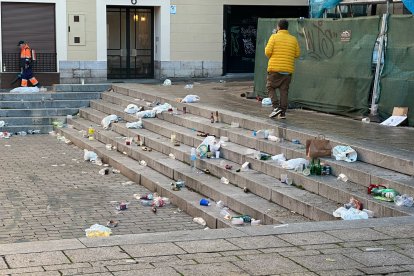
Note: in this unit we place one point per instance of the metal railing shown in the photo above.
(45, 62)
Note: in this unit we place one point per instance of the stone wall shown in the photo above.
(188, 69)
(91, 71)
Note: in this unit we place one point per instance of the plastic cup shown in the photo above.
(217, 154)
(283, 177)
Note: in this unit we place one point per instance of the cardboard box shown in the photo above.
(399, 115)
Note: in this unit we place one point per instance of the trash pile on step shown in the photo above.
(7, 134)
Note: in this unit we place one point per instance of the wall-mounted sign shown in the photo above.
(173, 9)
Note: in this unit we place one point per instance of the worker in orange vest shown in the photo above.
(26, 58)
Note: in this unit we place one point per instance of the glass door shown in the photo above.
(130, 42)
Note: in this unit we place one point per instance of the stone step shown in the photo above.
(390, 158)
(269, 188)
(50, 96)
(29, 121)
(81, 88)
(358, 172)
(44, 129)
(41, 112)
(186, 200)
(326, 186)
(208, 185)
(7, 105)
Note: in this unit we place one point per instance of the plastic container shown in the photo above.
(237, 221)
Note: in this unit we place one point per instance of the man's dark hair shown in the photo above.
(283, 24)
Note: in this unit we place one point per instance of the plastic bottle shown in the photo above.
(145, 202)
(193, 158)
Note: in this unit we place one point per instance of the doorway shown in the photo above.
(130, 42)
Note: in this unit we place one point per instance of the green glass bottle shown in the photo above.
(318, 168)
(312, 167)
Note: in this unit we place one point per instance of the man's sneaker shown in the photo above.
(282, 116)
(275, 112)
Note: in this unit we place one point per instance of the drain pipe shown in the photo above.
(378, 70)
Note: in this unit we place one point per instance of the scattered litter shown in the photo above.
(112, 223)
(345, 153)
(330, 260)
(161, 108)
(279, 159)
(255, 222)
(349, 214)
(21, 133)
(177, 185)
(228, 167)
(172, 156)
(122, 206)
(366, 120)
(2, 123)
(206, 171)
(295, 141)
(167, 82)
(125, 153)
(280, 226)
(191, 99)
(267, 102)
(128, 183)
(89, 155)
(245, 189)
(189, 86)
(108, 146)
(294, 163)
(134, 125)
(244, 167)
(273, 138)
(204, 202)
(374, 249)
(116, 171)
(146, 114)
(108, 120)
(97, 230)
(33, 89)
(5, 135)
(200, 221)
(132, 109)
(381, 192)
(220, 204)
(342, 177)
(224, 180)
(237, 221)
(104, 171)
(234, 125)
(404, 200)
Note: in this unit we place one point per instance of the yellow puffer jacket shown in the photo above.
(282, 49)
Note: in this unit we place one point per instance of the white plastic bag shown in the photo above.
(146, 114)
(89, 155)
(161, 108)
(279, 159)
(134, 125)
(208, 141)
(132, 109)
(345, 153)
(108, 120)
(97, 230)
(33, 89)
(266, 102)
(191, 99)
(167, 82)
(2, 123)
(349, 214)
(294, 163)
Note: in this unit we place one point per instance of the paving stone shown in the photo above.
(400, 231)
(2, 264)
(174, 263)
(36, 259)
(360, 244)
(309, 238)
(21, 270)
(130, 266)
(82, 271)
(207, 246)
(281, 249)
(326, 262)
(383, 269)
(347, 272)
(320, 246)
(363, 235)
(155, 249)
(344, 251)
(258, 242)
(239, 252)
(270, 266)
(381, 258)
(66, 266)
(159, 271)
(211, 269)
(300, 253)
(45, 273)
(95, 254)
(217, 260)
(200, 255)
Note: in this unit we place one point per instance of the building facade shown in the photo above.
(99, 40)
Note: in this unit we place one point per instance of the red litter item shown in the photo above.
(373, 186)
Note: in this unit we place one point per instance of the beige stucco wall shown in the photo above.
(197, 28)
(88, 51)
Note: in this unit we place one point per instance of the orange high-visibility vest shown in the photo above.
(26, 52)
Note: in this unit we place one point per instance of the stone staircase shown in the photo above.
(273, 202)
(39, 111)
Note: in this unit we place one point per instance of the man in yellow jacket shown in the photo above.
(282, 49)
